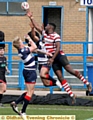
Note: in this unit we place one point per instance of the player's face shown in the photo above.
(21, 42)
(47, 27)
(2, 51)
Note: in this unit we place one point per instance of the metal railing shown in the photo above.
(83, 54)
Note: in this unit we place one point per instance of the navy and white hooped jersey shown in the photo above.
(42, 58)
(27, 58)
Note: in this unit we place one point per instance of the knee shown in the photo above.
(4, 90)
(41, 75)
(77, 74)
(67, 67)
(46, 82)
(44, 75)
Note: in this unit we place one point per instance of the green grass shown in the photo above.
(82, 113)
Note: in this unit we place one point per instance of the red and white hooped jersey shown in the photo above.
(50, 41)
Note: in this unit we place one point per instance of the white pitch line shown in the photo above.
(29, 107)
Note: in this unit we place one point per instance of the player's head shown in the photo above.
(2, 51)
(50, 26)
(17, 42)
(31, 36)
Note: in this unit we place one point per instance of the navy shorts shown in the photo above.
(30, 76)
(60, 62)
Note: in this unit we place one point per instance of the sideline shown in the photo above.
(78, 93)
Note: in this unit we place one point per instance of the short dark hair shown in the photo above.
(37, 34)
(1, 48)
(54, 26)
(29, 33)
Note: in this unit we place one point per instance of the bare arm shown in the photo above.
(7, 70)
(57, 50)
(42, 52)
(51, 60)
(33, 45)
(33, 33)
(29, 14)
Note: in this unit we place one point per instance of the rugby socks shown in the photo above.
(67, 87)
(81, 78)
(21, 98)
(1, 95)
(53, 82)
(26, 102)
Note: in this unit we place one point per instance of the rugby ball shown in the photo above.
(25, 5)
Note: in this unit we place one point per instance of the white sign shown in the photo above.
(82, 9)
(86, 2)
(52, 3)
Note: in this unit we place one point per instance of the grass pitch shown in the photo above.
(81, 113)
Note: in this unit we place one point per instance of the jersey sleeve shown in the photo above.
(57, 38)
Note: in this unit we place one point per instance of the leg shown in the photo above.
(47, 79)
(27, 97)
(16, 102)
(44, 74)
(2, 90)
(77, 74)
(30, 77)
(58, 71)
(64, 82)
(65, 63)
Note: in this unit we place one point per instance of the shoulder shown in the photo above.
(56, 34)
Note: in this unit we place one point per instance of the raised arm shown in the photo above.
(33, 45)
(38, 28)
(33, 33)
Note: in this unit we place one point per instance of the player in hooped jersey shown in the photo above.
(59, 59)
(43, 59)
(29, 72)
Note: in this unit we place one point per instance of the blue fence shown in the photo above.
(21, 85)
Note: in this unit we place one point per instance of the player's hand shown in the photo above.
(27, 37)
(50, 61)
(49, 54)
(29, 14)
(8, 72)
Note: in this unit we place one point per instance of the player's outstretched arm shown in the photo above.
(42, 52)
(33, 33)
(29, 14)
(33, 45)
